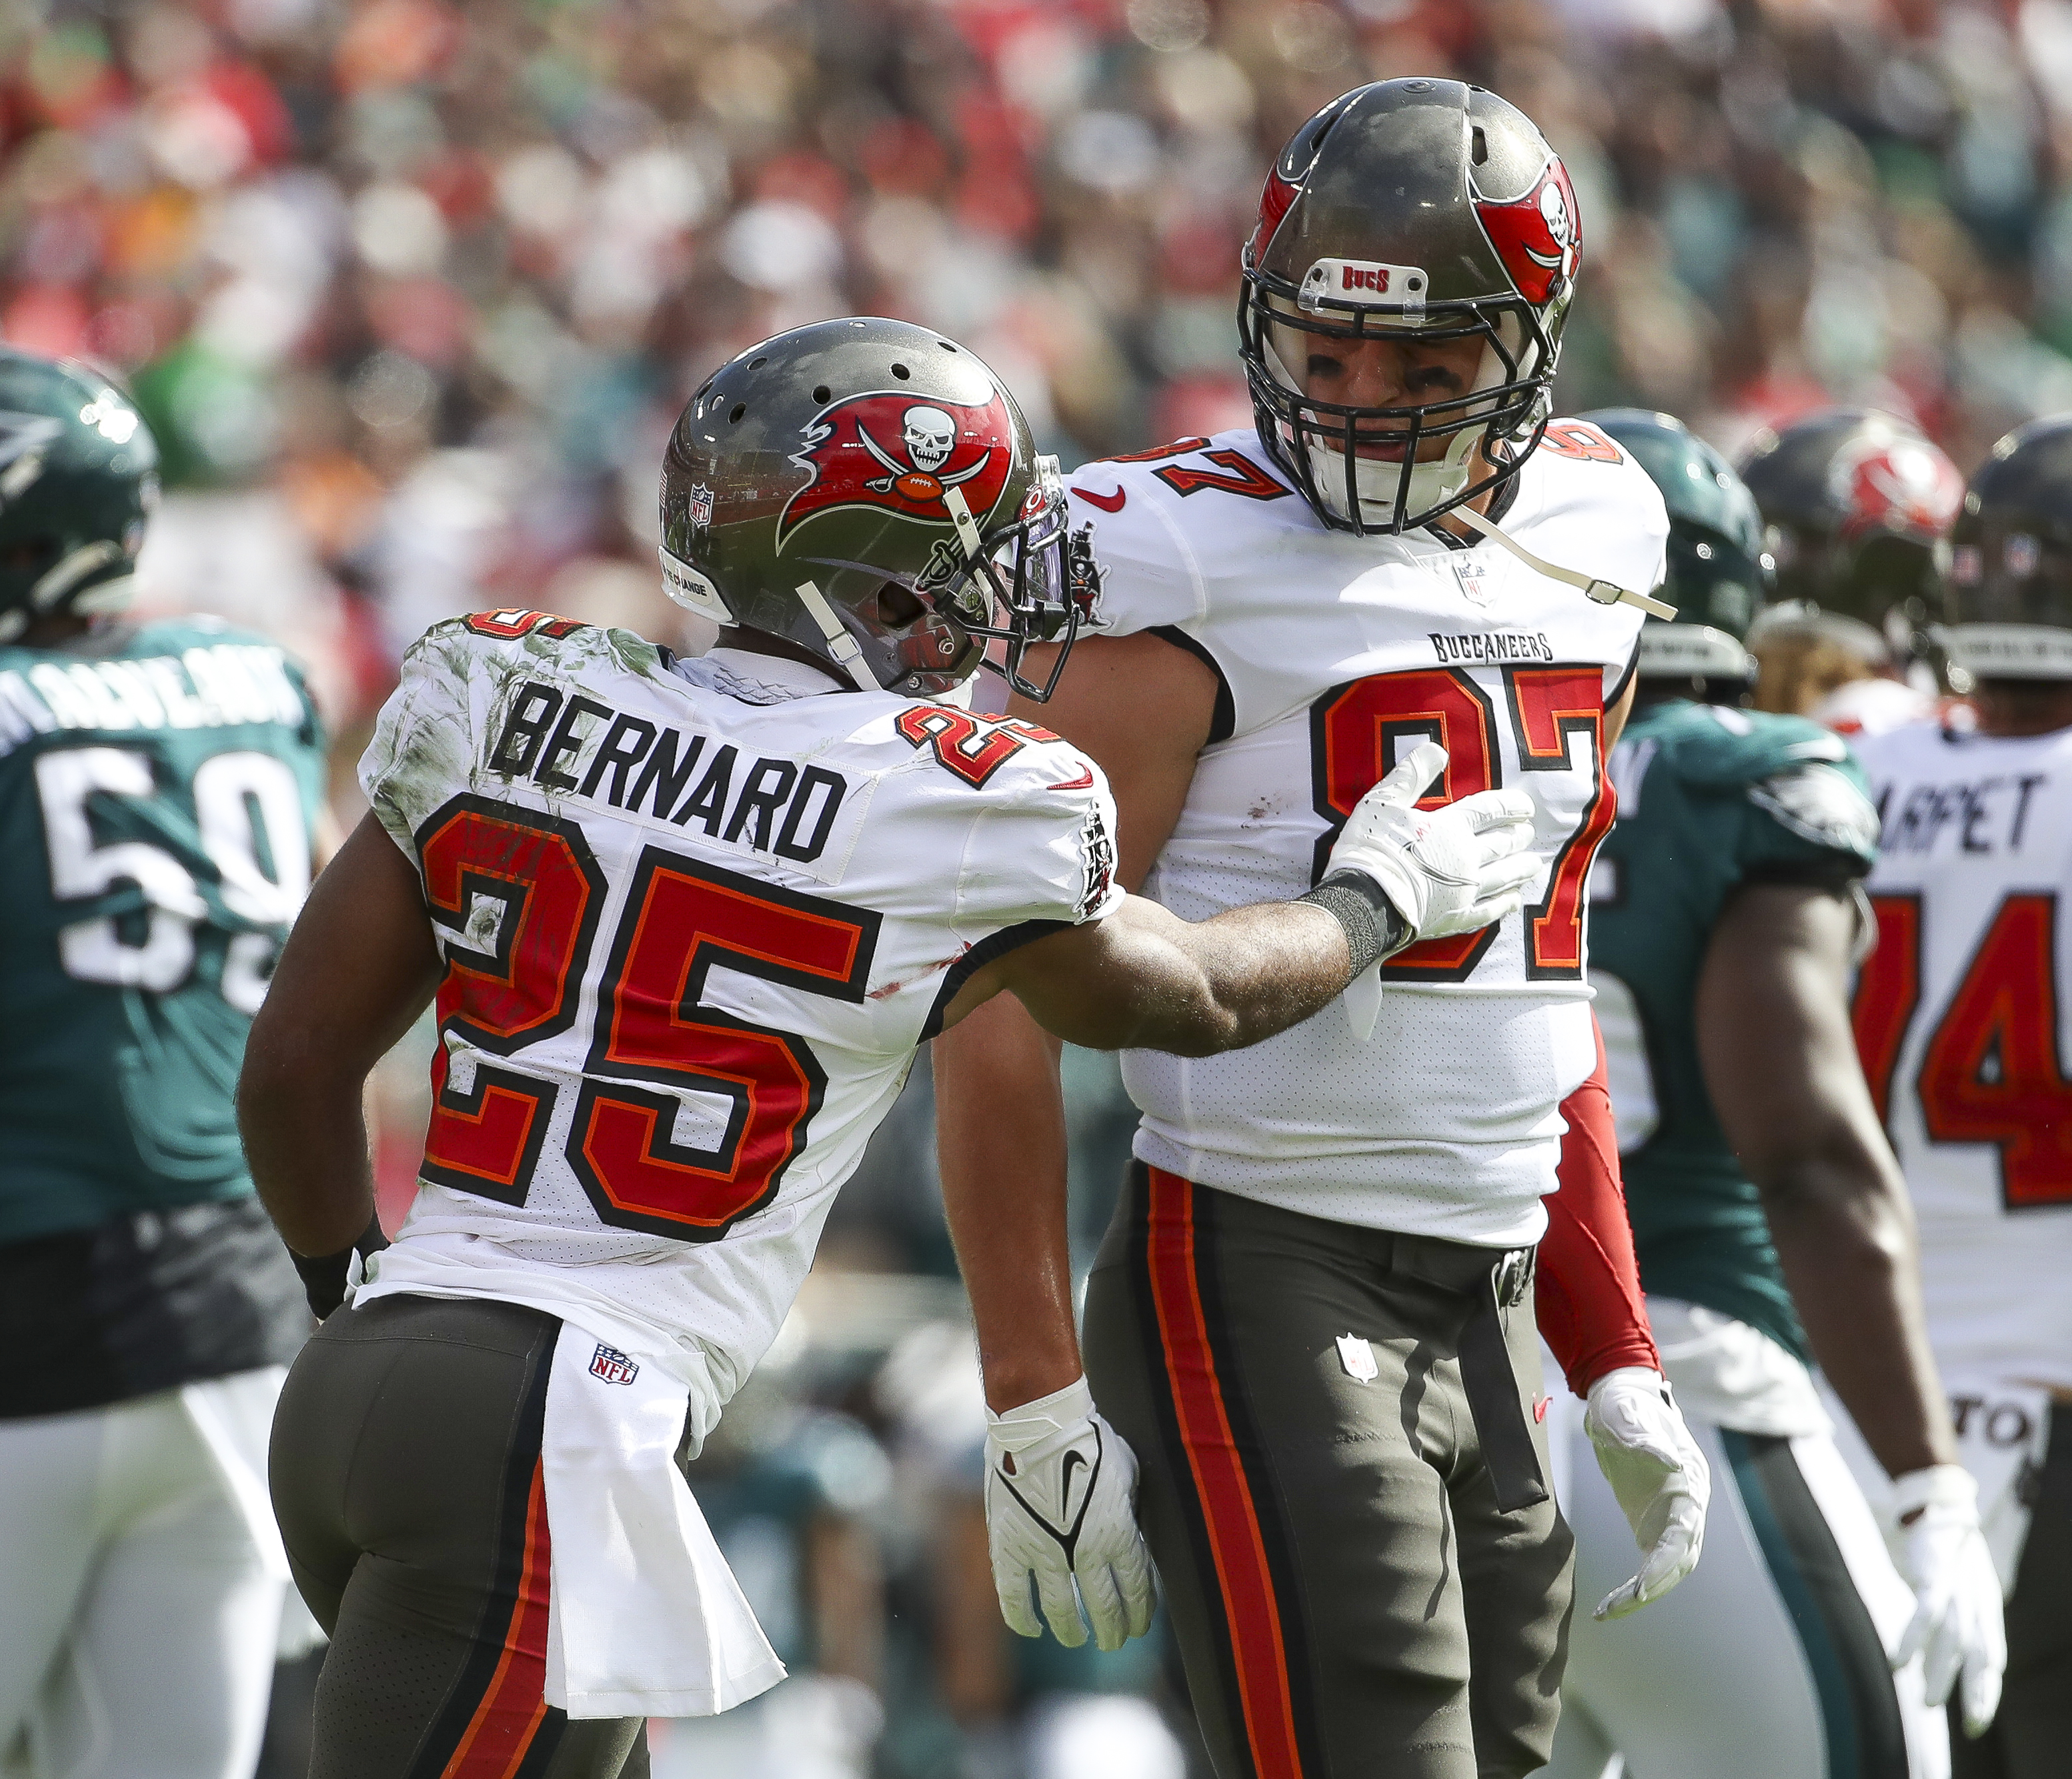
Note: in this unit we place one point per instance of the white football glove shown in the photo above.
(1660, 1477)
(1956, 1627)
(1061, 1506)
(1446, 871)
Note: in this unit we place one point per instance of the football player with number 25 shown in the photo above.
(1314, 1317)
(1960, 1018)
(685, 922)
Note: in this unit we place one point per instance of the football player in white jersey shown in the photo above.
(1961, 1018)
(1772, 1226)
(685, 923)
(1313, 1316)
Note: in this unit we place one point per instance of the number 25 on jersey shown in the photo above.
(516, 899)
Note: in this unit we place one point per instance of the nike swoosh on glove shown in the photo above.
(1956, 1627)
(1660, 1477)
(1061, 1507)
(1450, 870)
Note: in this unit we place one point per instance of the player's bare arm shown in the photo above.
(1780, 1064)
(358, 969)
(1142, 709)
(1143, 979)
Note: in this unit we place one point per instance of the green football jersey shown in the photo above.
(158, 785)
(1709, 798)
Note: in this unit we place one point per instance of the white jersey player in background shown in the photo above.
(686, 922)
(1312, 1317)
(1964, 1018)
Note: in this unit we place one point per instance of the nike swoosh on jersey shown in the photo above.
(1108, 503)
(1085, 779)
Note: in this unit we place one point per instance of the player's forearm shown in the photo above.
(358, 968)
(1845, 1235)
(1000, 1124)
(1197, 988)
(305, 1135)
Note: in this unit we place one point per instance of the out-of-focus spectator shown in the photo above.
(411, 290)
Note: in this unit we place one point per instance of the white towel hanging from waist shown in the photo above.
(644, 1618)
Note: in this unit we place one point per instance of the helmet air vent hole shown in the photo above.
(1480, 145)
(901, 372)
(740, 408)
(757, 363)
(821, 393)
(946, 346)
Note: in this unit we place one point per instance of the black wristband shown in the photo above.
(324, 1275)
(1374, 928)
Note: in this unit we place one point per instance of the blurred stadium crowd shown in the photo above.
(411, 291)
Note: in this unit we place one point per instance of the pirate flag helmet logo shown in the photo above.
(887, 450)
(1538, 236)
(867, 490)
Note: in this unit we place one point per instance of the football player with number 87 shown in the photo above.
(1313, 1316)
(685, 922)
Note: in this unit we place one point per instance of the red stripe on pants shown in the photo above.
(500, 1733)
(1250, 1609)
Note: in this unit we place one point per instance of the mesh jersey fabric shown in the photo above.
(1962, 1021)
(1338, 654)
(695, 915)
(157, 786)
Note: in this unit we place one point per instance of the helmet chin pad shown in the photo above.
(1432, 483)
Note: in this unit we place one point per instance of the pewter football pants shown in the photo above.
(406, 1475)
(137, 1620)
(1347, 1597)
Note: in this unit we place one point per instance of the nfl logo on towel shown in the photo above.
(613, 1366)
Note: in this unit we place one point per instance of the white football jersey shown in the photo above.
(1963, 1018)
(695, 915)
(1337, 654)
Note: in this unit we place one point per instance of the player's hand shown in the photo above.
(1450, 870)
(1660, 1477)
(1956, 1627)
(1061, 1506)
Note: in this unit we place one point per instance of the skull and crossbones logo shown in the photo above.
(929, 435)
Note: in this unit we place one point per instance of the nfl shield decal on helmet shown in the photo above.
(701, 506)
(613, 1366)
(890, 451)
(1539, 237)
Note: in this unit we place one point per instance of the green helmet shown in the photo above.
(79, 475)
(869, 490)
(1720, 574)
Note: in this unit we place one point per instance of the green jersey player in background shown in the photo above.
(158, 787)
(1771, 1224)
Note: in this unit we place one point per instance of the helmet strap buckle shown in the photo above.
(846, 652)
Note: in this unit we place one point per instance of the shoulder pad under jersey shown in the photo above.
(1716, 748)
(1604, 509)
(1150, 533)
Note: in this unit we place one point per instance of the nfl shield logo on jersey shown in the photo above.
(613, 1366)
(702, 506)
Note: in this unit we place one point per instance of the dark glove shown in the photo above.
(324, 1274)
